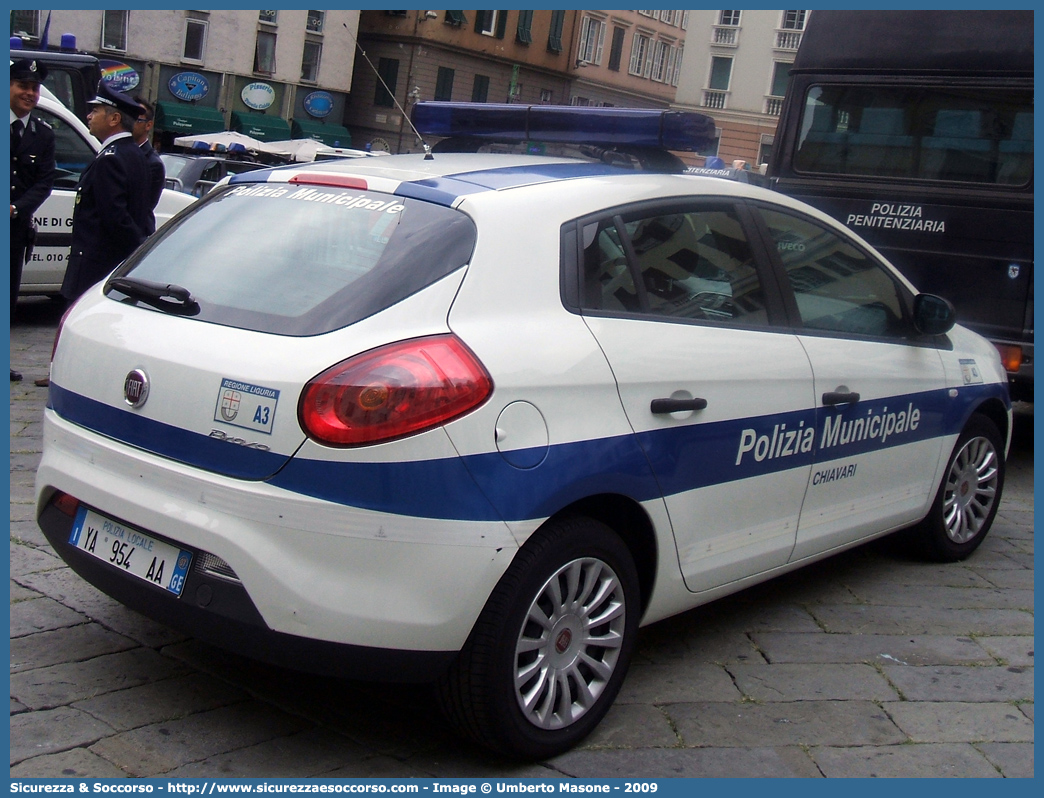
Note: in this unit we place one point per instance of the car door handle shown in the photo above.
(840, 398)
(660, 406)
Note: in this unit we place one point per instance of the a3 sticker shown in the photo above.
(245, 405)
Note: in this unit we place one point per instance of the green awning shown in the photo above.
(261, 126)
(188, 120)
(331, 135)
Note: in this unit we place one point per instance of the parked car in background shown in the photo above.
(197, 174)
(915, 129)
(71, 77)
(75, 147)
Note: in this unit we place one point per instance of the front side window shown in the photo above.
(730, 18)
(60, 84)
(690, 263)
(480, 90)
(71, 152)
(310, 61)
(315, 21)
(838, 287)
(794, 20)
(268, 17)
(940, 133)
(114, 30)
(264, 53)
(195, 40)
(303, 260)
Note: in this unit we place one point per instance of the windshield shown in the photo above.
(303, 260)
(174, 165)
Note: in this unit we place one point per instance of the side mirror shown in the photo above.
(933, 315)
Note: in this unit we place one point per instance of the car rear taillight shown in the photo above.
(58, 332)
(393, 391)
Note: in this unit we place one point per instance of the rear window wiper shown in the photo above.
(171, 299)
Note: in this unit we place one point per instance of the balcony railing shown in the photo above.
(788, 39)
(725, 36)
(773, 106)
(712, 98)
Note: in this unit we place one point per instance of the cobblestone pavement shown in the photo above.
(866, 664)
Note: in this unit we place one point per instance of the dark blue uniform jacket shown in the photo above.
(112, 215)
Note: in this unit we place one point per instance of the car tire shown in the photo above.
(564, 615)
(967, 501)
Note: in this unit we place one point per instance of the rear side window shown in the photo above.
(303, 260)
(683, 263)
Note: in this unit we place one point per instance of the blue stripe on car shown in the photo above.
(484, 487)
(447, 189)
(165, 440)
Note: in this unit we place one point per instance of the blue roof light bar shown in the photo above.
(634, 127)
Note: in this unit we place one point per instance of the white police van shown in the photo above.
(475, 417)
(75, 148)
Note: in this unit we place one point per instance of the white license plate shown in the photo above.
(132, 551)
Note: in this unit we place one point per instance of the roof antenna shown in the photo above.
(427, 147)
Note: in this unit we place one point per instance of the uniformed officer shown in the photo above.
(113, 207)
(157, 174)
(32, 165)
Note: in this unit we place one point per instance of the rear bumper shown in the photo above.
(220, 612)
(397, 596)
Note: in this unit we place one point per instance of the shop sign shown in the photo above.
(118, 76)
(318, 104)
(188, 86)
(258, 96)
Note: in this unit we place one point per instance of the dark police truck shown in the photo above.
(915, 128)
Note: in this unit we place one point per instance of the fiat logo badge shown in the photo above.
(136, 388)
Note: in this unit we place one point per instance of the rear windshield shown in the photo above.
(303, 260)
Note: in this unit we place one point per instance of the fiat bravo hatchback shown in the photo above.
(474, 418)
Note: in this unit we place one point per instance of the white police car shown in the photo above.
(475, 418)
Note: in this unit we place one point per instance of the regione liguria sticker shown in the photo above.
(242, 404)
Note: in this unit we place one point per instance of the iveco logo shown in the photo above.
(136, 388)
